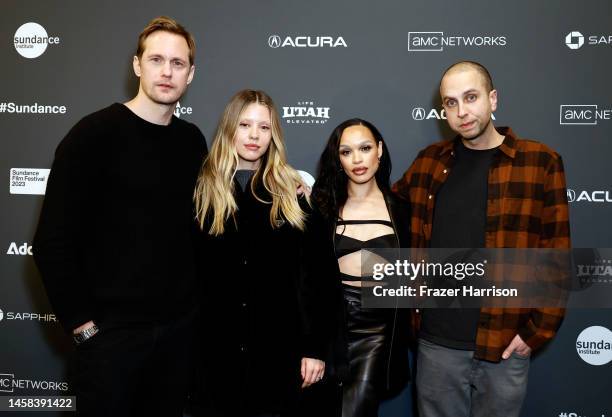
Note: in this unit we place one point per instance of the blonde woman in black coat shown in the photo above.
(264, 300)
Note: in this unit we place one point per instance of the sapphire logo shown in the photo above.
(574, 40)
(28, 316)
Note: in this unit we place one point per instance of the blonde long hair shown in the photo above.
(214, 192)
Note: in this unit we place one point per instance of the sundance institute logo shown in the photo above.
(594, 345)
(31, 40)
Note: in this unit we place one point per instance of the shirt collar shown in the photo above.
(508, 146)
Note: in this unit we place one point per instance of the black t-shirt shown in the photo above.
(459, 221)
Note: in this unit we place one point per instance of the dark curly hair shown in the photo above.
(330, 189)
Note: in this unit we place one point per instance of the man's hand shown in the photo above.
(82, 327)
(517, 345)
(312, 371)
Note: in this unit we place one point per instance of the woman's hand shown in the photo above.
(304, 190)
(312, 371)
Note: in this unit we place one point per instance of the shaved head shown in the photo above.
(470, 66)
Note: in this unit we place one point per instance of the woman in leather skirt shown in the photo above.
(369, 359)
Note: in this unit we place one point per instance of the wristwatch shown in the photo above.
(85, 334)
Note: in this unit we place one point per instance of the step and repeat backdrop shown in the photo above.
(322, 62)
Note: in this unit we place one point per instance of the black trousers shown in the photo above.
(136, 369)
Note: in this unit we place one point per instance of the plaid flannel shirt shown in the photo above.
(526, 208)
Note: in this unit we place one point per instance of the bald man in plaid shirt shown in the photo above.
(486, 188)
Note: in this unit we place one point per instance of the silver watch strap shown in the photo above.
(85, 334)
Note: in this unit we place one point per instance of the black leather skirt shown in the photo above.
(368, 356)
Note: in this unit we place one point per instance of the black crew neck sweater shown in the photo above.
(115, 240)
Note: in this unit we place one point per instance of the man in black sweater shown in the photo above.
(115, 240)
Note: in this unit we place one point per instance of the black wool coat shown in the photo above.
(266, 293)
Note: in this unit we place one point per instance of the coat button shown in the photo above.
(430, 196)
(445, 171)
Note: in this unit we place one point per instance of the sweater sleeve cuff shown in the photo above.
(312, 349)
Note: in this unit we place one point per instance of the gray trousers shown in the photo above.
(451, 383)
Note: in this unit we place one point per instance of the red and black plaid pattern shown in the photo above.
(526, 208)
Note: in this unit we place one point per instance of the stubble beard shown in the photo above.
(480, 132)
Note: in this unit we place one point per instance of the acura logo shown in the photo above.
(418, 113)
(591, 196)
(274, 41)
(574, 40)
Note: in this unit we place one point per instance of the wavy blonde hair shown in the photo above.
(214, 192)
